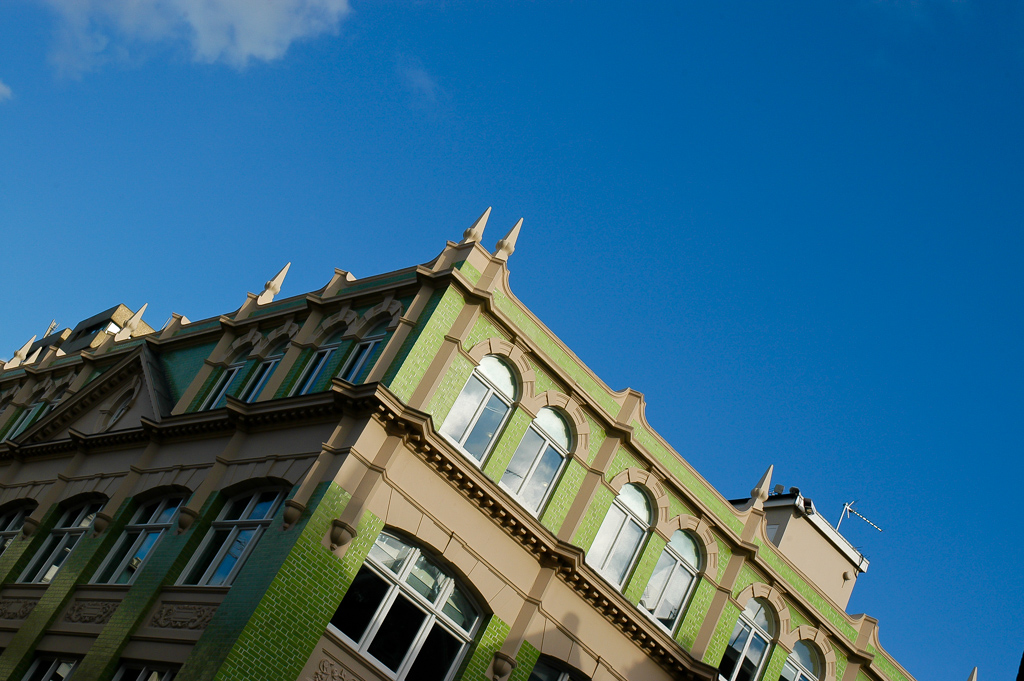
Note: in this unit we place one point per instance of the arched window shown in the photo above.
(353, 368)
(218, 393)
(11, 522)
(71, 527)
(534, 467)
(229, 542)
(549, 669)
(672, 581)
(138, 540)
(406, 614)
(481, 408)
(804, 664)
(36, 410)
(315, 367)
(748, 646)
(618, 542)
(119, 408)
(254, 386)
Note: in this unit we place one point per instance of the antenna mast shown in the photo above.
(847, 510)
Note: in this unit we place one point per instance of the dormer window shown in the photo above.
(254, 386)
(353, 369)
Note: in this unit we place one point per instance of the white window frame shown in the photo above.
(11, 523)
(508, 400)
(27, 417)
(547, 441)
(313, 369)
(398, 586)
(680, 563)
(254, 386)
(754, 630)
(234, 528)
(52, 663)
(630, 516)
(138, 531)
(356, 362)
(798, 671)
(74, 523)
(220, 388)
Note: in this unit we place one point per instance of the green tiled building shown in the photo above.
(401, 477)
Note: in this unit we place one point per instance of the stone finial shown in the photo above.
(974, 675)
(760, 492)
(507, 246)
(34, 357)
(130, 326)
(273, 287)
(21, 355)
(476, 230)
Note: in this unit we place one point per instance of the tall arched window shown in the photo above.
(11, 522)
(672, 581)
(71, 527)
(534, 467)
(405, 614)
(315, 367)
(218, 393)
(482, 407)
(749, 644)
(618, 542)
(804, 664)
(254, 386)
(353, 369)
(137, 541)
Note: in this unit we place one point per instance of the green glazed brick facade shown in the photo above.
(623, 460)
(746, 577)
(796, 618)
(446, 394)
(296, 608)
(724, 556)
(599, 506)
(542, 382)
(644, 568)
(424, 343)
(526, 660)
(565, 493)
(293, 373)
(204, 392)
(696, 613)
(841, 663)
(775, 663)
(885, 666)
(488, 643)
(181, 366)
(483, 328)
(507, 443)
(597, 438)
(472, 273)
(720, 639)
(677, 507)
(10, 422)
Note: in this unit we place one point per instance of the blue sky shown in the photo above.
(795, 226)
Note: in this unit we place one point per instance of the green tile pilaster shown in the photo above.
(565, 493)
(599, 506)
(526, 660)
(720, 639)
(488, 643)
(508, 441)
(775, 663)
(208, 384)
(446, 394)
(423, 343)
(296, 608)
(644, 569)
(10, 422)
(294, 372)
(696, 613)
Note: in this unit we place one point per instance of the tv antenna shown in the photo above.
(847, 510)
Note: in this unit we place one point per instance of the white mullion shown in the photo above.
(476, 416)
(49, 560)
(221, 552)
(245, 553)
(611, 546)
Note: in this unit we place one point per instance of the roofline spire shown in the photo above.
(476, 230)
(507, 246)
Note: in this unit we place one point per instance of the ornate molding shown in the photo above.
(182, 616)
(332, 670)
(16, 608)
(90, 612)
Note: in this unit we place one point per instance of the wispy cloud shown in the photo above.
(5, 92)
(233, 32)
(417, 80)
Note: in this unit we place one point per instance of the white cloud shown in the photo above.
(5, 92)
(416, 79)
(233, 32)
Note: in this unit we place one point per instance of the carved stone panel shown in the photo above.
(330, 669)
(90, 612)
(16, 608)
(182, 616)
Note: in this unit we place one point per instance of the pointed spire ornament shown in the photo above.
(273, 287)
(974, 675)
(760, 491)
(21, 355)
(50, 328)
(130, 326)
(476, 230)
(507, 246)
(34, 356)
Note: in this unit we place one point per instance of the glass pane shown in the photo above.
(125, 545)
(465, 408)
(139, 558)
(234, 553)
(752, 660)
(255, 383)
(806, 657)
(145, 514)
(390, 552)
(757, 613)
(356, 363)
(598, 552)
(732, 654)
(392, 641)
(360, 603)
(556, 427)
(623, 551)
(235, 508)
(89, 515)
(459, 608)
(58, 560)
(486, 427)
(686, 548)
(789, 673)
(436, 657)
(62, 671)
(426, 579)
(540, 482)
(209, 552)
(498, 373)
(170, 509)
(672, 599)
(522, 460)
(544, 672)
(316, 365)
(659, 579)
(264, 506)
(636, 501)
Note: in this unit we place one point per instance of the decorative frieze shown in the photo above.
(182, 616)
(16, 608)
(90, 612)
(332, 670)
